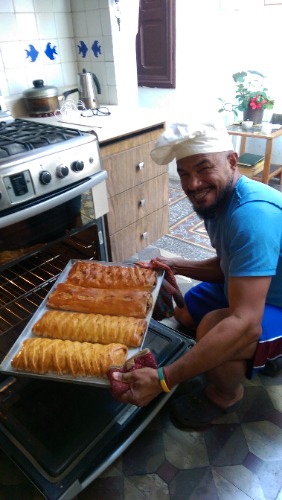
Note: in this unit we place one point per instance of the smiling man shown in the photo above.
(236, 309)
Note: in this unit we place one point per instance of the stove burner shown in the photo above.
(23, 135)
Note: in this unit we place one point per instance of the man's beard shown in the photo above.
(210, 212)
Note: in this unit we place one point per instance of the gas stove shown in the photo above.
(38, 160)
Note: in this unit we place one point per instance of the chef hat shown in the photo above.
(181, 140)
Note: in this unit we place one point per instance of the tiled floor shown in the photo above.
(239, 457)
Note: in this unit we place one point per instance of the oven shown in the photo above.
(53, 203)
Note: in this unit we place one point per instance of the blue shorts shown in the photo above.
(206, 297)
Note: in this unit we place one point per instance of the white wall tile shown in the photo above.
(77, 5)
(97, 53)
(3, 84)
(46, 25)
(104, 4)
(91, 4)
(110, 72)
(27, 27)
(16, 85)
(93, 20)
(107, 48)
(61, 6)
(70, 72)
(112, 92)
(6, 6)
(105, 22)
(8, 31)
(54, 75)
(23, 5)
(79, 24)
(13, 55)
(43, 5)
(67, 50)
(64, 27)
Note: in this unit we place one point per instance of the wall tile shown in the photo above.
(70, 71)
(107, 48)
(106, 22)
(67, 50)
(64, 26)
(110, 72)
(93, 20)
(23, 5)
(26, 26)
(91, 4)
(53, 45)
(61, 6)
(79, 24)
(8, 29)
(46, 25)
(82, 55)
(77, 5)
(13, 55)
(6, 6)
(54, 75)
(15, 84)
(43, 5)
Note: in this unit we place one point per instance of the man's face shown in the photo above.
(207, 179)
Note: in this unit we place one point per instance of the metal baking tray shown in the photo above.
(6, 366)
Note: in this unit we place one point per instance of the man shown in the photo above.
(236, 308)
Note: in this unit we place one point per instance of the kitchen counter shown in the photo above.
(120, 123)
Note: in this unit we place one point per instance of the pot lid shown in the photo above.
(40, 90)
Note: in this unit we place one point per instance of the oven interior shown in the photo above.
(63, 435)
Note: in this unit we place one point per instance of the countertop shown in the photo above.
(121, 122)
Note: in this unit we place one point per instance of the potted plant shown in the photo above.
(251, 96)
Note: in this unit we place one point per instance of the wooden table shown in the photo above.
(269, 170)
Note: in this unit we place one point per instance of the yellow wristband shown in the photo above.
(162, 380)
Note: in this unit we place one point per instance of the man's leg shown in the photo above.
(225, 382)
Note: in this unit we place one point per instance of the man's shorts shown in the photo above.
(206, 297)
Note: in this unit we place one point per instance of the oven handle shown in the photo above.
(38, 208)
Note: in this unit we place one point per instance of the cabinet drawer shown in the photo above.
(136, 203)
(139, 235)
(130, 168)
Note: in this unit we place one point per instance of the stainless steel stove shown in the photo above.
(40, 162)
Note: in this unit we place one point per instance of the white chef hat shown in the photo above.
(182, 139)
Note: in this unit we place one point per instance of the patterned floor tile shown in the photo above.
(151, 486)
(226, 445)
(195, 484)
(236, 482)
(264, 440)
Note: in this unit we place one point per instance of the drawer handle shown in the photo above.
(141, 165)
(144, 236)
(142, 203)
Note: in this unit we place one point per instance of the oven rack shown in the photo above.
(25, 284)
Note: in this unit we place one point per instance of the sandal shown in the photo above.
(197, 411)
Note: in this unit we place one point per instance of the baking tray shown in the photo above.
(6, 366)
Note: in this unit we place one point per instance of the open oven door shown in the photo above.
(63, 435)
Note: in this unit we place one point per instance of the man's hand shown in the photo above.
(143, 385)
(169, 290)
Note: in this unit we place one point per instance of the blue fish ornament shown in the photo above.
(50, 51)
(32, 53)
(96, 47)
(82, 48)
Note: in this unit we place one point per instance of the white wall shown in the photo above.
(215, 39)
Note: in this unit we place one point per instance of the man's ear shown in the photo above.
(232, 158)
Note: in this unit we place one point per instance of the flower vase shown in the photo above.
(254, 115)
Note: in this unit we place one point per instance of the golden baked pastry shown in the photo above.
(39, 355)
(127, 302)
(91, 328)
(95, 275)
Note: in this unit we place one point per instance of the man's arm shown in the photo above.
(233, 337)
(204, 270)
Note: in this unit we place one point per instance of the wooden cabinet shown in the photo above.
(137, 192)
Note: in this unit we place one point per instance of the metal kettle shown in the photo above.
(88, 83)
(88, 88)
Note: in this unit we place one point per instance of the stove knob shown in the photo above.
(77, 166)
(62, 171)
(45, 177)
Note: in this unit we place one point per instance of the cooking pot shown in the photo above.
(88, 88)
(41, 100)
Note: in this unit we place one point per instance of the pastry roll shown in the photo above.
(91, 328)
(134, 303)
(95, 275)
(39, 355)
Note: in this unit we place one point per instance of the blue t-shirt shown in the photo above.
(247, 236)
